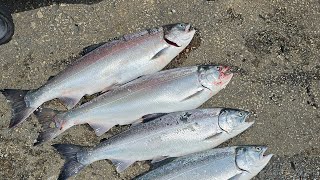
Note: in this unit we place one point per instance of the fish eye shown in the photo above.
(258, 148)
(218, 68)
(180, 26)
(241, 114)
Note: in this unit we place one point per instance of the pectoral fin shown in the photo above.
(159, 54)
(193, 95)
(70, 102)
(236, 177)
(158, 159)
(214, 136)
(100, 127)
(136, 122)
(121, 165)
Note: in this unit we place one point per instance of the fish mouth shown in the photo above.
(245, 122)
(224, 75)
(239, 127)
(264, 159)
(246, 115)
(224, 69)
(171, 43)
(244, 125)
(188, 30)
(264, 149)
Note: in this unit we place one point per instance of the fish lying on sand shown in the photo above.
(230, 163)
(171, 135)
(163, 92)
(108, 66)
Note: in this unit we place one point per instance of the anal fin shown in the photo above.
(100, 127)
(121, 165)
(70, 102)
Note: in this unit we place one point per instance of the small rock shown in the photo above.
(39, 14)
(55, 6)
(33, 25)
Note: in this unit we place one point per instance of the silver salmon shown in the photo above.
(172, 135)
(233, 163)
(110, 65)
(163, 92)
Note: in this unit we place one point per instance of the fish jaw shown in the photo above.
(257, 166)
(214, 77)
(264, 159)
(255, 170)
(225, 77)
(244, 126)
(228, 135)
(180, 35)
(186, 42)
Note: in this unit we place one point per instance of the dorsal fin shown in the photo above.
(90, 48)
(50, 78)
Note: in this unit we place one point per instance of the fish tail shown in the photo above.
(49, 129)
(70, 153)
(20, 111)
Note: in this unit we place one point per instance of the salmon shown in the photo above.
(111, 65)
(171, 135)
(167, 91)
(229, 163)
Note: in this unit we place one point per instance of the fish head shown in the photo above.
(233, 120)
(251, 159)
(214, 78)
(179, 35)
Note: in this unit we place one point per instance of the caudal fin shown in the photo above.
(20, 111)
(71, 165)
(49, 129)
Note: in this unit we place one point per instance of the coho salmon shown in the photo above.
(171, 135)
(230, 163)
(108, 66)
(163, 92)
